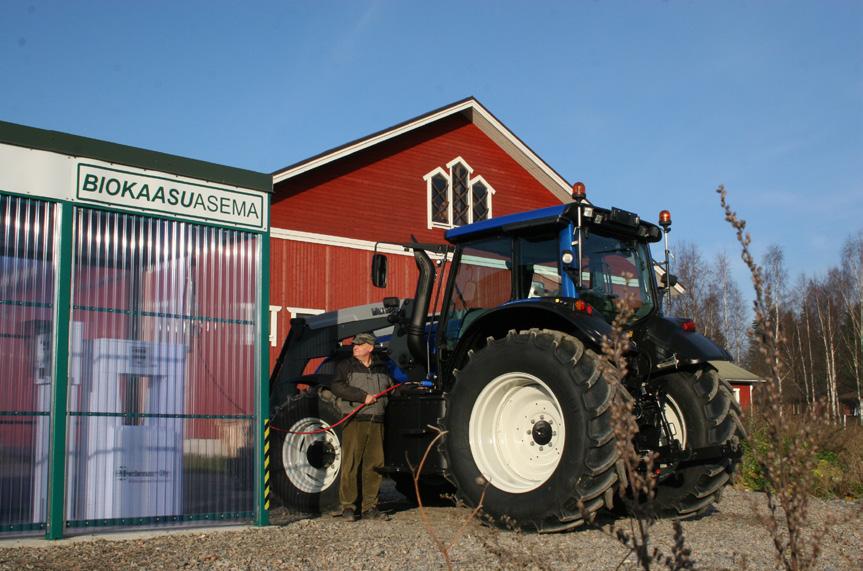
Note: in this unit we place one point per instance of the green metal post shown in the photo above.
(262, 469)
(60, 376)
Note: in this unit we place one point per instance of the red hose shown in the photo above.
(343, 420)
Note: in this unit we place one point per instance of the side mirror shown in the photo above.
(379, 270)
(668, 280)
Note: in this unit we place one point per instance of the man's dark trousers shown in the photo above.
(362, 446)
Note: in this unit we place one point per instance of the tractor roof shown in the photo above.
(551, 215)
(614, 221)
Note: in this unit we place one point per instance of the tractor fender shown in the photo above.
(663, 338)
(529, 314)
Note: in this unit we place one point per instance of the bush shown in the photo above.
(838, 470)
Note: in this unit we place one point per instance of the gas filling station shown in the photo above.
(133, 305)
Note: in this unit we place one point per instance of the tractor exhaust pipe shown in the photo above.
(417, 325)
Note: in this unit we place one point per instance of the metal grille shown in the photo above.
(27, 272)
(480, 202)
(460, 196)
(161, 421)
(440, 199)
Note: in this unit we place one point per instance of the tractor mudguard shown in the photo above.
(663, 338)
(554, 314)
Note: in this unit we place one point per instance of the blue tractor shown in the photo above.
(503, 355)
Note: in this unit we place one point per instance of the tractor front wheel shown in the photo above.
(702, 412)
(306, 453)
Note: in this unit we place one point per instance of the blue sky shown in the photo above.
(651, 104)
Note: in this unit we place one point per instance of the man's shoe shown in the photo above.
(375, 513)
(347, 513)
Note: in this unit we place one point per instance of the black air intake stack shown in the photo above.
(417, 326)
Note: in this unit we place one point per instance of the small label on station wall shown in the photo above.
(169, 196)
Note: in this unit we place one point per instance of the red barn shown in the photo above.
(452, 166)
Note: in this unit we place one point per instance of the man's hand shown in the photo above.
(370, 399)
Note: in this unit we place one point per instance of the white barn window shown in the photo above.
(456, 197)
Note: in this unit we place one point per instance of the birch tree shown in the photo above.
(852, 298)
(775, 278)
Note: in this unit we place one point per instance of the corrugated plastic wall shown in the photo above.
(163, 367)
(27, 270)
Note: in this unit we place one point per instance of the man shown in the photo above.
(358, 380)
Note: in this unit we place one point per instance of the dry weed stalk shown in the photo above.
(444, 548)
(788, 467)
(638, 488)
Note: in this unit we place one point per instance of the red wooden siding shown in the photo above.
(745, 395)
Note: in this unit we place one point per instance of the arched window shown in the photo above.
(456, 197)
(439, 199)
(481, 201)
(460, 195)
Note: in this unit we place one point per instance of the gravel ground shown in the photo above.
(728, 538)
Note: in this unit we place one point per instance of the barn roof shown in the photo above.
(473, 111)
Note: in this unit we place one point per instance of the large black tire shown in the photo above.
(534, 477)
(710, 417)
(306, 469)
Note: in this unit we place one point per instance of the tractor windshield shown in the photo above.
(616, 268)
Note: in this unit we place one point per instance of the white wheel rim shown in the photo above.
(506, 440)
(674, 417)
(299, 451)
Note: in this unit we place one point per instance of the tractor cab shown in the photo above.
(566, 266)
(546, 255)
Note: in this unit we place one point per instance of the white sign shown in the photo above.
(57, 176)
(150, 193)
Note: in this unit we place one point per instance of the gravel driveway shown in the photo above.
(729, 538)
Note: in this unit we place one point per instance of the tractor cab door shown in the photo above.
(490, 272)
(481, 279)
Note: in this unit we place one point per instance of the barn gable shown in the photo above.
(470, 109)
(381, 183)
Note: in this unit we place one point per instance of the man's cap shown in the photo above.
(363, 338)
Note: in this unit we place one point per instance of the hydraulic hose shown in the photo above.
(343, 419)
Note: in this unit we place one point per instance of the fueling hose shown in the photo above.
(344, 418)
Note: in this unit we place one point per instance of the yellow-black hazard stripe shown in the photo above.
(266, 463)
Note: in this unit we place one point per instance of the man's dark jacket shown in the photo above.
(353, 381)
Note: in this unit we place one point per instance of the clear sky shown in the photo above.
(651, 104)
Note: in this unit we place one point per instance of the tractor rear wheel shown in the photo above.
(702, 412)
(529, 432)
(305, 468)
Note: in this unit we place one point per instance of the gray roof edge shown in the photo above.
(75, 145)
(735, 373)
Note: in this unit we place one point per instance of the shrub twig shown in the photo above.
(444, 548)
(637, 487)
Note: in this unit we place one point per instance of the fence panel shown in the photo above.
(27, 270)
(161, 420)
